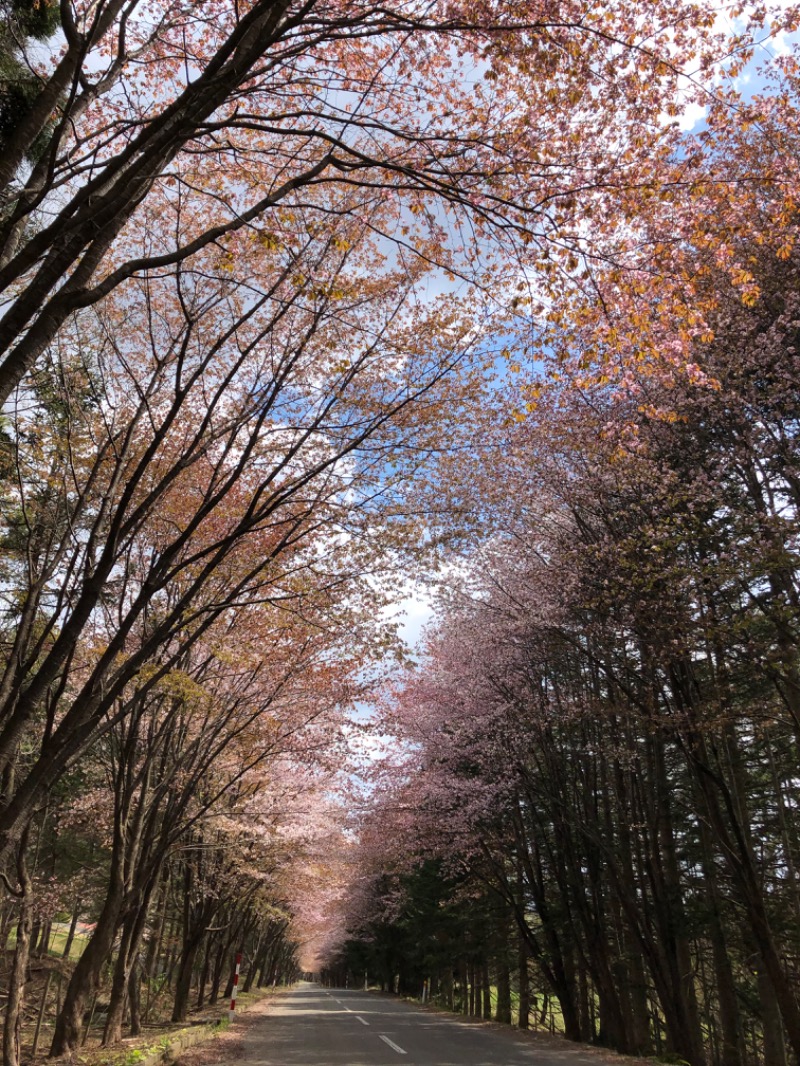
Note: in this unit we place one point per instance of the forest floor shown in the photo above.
(132, 1049)
(48, 978)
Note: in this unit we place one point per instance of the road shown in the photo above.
(313, 1026)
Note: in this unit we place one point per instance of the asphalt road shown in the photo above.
(313, 1026)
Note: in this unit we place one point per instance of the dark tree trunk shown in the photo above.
(447, 989)
(73, 925)
(44, 939)
(732, 1050)
(219, 963)
(135, 998)
(86, 975)
(771, 1027)
(19, 965)
(524, 986)
(503, 1011)
(132, 932)
(202, 982)
(183, 985)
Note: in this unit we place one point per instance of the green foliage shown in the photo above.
(36, 18)
(22, 21)
(437, 923)
(134, 1056)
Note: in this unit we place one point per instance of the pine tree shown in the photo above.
(21, 23)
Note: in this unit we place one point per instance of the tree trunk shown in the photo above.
(732, 1051)
(487, 989)
(524, 986)
(219, 962)
(503, 1011)
(19, 966)
(254, 966)
(684, 1033)
(135, 998)
(86, 975)
(73, 925)
(733, 833)
(771, 1028)
(636, 982)
(44, 939)
(463, 982)
(41, 1014)
(641, 1043)
(447, 988)
(183, 984)
(201, 984)
(154, 944)
(127, 958)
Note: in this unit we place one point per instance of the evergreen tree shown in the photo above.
(21, 23)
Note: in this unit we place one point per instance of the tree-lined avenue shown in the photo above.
(302, 303)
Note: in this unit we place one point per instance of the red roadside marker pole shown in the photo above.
(235, 986)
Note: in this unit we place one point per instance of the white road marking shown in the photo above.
(392, 1045)
(362, 1020)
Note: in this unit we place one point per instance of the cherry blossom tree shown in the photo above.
(298, 98)
(602, 725)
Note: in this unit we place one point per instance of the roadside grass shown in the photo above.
(48, 978)
(553, 1021)
(541, 1020)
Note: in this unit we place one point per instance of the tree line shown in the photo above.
(601, 736)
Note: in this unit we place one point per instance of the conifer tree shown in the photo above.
(22, 22)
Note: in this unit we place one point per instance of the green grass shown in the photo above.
(554, 1011)
(58, 940)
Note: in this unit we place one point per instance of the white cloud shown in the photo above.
(414, 610)
(691, 116)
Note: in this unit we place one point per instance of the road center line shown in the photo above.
(362, 1020)
(392, 1045)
